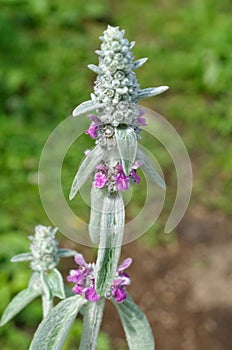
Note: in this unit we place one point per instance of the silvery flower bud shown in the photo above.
(117, 83)
(44, 249)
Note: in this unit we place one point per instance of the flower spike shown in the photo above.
(116, 81)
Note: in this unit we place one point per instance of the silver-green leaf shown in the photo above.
(97, 199)
(21, 257)
(84, 107)
(22, 299)
(149, 92)
(137, 329)
(86, 168)
(111, 236)
(94, 68)
(139, 63)
(66, 253)
(127, 147)
(52, 331)
(56, 283)
(149, 170)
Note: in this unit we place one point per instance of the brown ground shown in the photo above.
(185, 289)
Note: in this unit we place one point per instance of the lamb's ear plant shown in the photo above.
(112, 165)
(46, 280)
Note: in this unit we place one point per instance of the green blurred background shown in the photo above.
(45, 48)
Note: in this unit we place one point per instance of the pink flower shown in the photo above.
(85, 282)
(115, 177)
(134, 176)
(83, 279)
(121, 281)
(94, 118)
(141, 121)
(122, 181)
(100, 179)
(136, 164)
(92, 131)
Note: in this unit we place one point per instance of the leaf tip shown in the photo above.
(75, 112)
(165, 88)
(73, 192)
(71, 196)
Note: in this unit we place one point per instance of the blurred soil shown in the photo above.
(185, 289)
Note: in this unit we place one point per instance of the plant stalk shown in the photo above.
(47, 304)
(92, 323)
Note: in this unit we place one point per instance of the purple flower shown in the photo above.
(92, 131)
(136, 164)
(121, 281)
(122, 181)
(94, 119)
(134, 176)
(141, 121)
(102, 168)
(100, 179)
(85, 281)
(114, 177)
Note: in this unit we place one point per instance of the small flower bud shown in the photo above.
(44, 249)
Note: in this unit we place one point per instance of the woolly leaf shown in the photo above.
(149, 92)
(86, 168)
(22, 299)
(97, 198)
(137, 329)
(66, 253)
(52, 331)
(56, 283)
(21, 257)
(111, 236)
(139, 63)
(84, 107)
(127, 147)
(149, 169)
(94, 68)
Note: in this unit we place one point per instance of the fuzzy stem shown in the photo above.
(92, 322)
(47, 305)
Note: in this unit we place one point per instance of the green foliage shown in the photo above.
(21, 300)
(111, 237)
(72, 341)
(52, 331)
(12, 338)
(127, 147)
(137, 329)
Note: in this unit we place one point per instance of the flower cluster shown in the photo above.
(84, 279)
(104, 133)
(44, 249)
(116, 85)
(114, 178)
(119, 119)
(116, 90)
